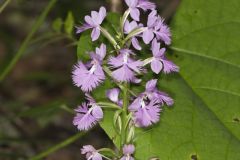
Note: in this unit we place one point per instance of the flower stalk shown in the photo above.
(124, 113)
(124, 67)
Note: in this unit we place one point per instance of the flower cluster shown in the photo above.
(125, 67)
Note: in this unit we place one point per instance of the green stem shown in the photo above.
(4, 5)
(58, 146)
(27, 40)
(124, 113)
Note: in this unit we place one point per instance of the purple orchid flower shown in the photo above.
(89, 76)
(113, 95)
(145, 112)
(128, 150)
(153, 93)
(134, 6)
(130, 26)
(125, 66)
(88, 114)
(159, 61)
(93, 22)
(91, 153)
(156, 27)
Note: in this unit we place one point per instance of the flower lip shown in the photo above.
(88, 114)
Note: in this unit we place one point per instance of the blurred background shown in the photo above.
(37, 96)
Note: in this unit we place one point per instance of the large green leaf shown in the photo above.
(204, 122)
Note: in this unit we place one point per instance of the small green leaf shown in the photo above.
(69, 23)
(57, 25)
(203, 124)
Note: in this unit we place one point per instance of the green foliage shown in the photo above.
(84, 45)
(57, 25)
(69, 23)
(204, 122)
(42, 111)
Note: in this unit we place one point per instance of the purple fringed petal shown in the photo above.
(169, 66)
(115, 62)
(164, 98)
(145, 117)
(154, 94)
(125, 66)
(85, 120)
(135, 65)
(164, 34)
(87, 79)
(123, 74)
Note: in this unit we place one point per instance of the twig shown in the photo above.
(4, 5)
(116, 6)
(27, 40)
(58, 146)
